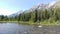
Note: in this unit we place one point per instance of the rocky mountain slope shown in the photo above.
(54, 4)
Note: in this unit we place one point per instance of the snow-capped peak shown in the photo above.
(51, 4)
(38, 6)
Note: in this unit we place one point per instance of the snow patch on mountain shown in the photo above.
(51, 4)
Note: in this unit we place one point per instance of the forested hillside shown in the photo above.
(42, 13)
(51, 15)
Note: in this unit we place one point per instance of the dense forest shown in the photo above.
(42, 15)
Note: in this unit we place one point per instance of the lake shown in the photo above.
(12, 28)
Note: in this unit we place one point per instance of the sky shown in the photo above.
(8, 7)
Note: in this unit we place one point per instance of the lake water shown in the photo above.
(11, 28)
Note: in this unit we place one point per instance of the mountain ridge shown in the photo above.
(53, 4)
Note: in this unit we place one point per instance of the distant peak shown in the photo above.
(39, 6)
(50, 5)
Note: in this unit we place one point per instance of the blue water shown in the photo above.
(11, 28)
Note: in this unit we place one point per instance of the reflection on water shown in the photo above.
(11, 28)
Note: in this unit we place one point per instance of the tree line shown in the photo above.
(36, 15)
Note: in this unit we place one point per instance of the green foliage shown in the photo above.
(43, 15)
(52, 15)
(36, 16)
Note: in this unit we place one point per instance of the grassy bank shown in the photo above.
(39, 23)
(33, 23)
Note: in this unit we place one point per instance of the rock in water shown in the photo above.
(39, 26)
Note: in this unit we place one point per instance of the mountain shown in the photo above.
(44, 6)
(39, 6)
(54, 4)
(57, 4)
(50, 5)
(47, 14)
(15, 14)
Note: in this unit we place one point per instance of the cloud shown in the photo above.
(6, 12)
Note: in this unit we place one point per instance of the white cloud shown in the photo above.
(6, 12)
